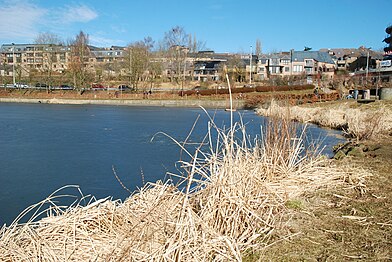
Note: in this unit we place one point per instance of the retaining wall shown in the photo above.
(238, 104)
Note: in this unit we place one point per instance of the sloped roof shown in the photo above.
(300, 56)
(352, 52)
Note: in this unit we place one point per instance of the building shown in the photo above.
(106, 61)
(295, 63)
(28, 58)
(354, 59)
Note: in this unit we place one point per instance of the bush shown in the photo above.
(225, 91)
(283, 88)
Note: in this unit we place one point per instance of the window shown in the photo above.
(287, 69)
(297, 68)
(274, 61)
(308, 62)
(285, 61)
(274, 70)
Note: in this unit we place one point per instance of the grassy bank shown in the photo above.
(339, 224)
(359, 121)
(235, 202)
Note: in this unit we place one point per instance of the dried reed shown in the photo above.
(233, 199)
(365, 122)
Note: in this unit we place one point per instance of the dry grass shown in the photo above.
(357, 121)
(231, 199)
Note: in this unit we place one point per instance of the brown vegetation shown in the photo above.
(359, 121)
(208, 92)
(337, 224)
(232, 200)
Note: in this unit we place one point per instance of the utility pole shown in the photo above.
(367, 64)
(13, 63)
(250, 66)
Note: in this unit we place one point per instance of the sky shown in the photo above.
(228, 26)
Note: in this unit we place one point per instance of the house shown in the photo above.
(295, 63)
(207, 69)
(313, 63)
(354, 59)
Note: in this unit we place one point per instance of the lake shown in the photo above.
(45, 147)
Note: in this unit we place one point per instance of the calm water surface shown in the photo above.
(44, 147)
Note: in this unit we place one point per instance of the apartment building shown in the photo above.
(106, 61)
(208, 65)
(26, 58)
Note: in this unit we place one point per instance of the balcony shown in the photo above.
(309, 63)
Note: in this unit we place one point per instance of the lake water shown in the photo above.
(45, 147)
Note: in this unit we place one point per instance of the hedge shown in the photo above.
(207, 92)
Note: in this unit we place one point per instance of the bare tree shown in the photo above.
(195, 45)
(50, 43)
(137, 60)
(236, 68)
(258, 47)
(79, 59)
(48, 38)
(155, 69)
(176, 42)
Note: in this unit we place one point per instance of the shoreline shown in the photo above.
(221, 104)
(358, 121)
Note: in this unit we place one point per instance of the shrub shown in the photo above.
(283, 88)
(208, 92)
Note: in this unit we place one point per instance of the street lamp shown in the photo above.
(367, 63)
(250, 65)
(13, 63)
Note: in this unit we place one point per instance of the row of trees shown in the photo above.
(137, 61)
(79, 56)
(141, 61)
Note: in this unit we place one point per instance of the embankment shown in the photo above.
(237, 104)
(357, 120)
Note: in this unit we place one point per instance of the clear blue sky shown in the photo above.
(224, 25)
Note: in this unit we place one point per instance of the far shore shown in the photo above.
(221, 104)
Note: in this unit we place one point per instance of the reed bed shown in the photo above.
(231, 198)
(358, 122)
